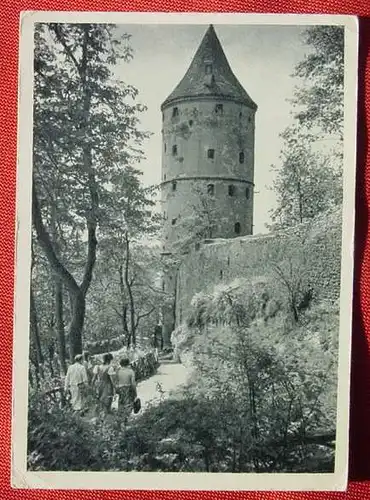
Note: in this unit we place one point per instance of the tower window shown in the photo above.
(190, 123)
(211, 154)
(231, 190)
(174, 185)
(211, 189)
(173, 222)
(208, 69)
(241, 157)
(240, 115)
(249, 119)
(175, 112)
(219, 109)
(165, 147)
(237, 227)
(163, 286)
(164, 176)
(221, 273)
(174, 150)
(247, 193)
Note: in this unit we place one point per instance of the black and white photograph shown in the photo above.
(184, 251)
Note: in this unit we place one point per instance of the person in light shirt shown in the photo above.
(76, 383)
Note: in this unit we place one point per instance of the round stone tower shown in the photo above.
(208, 150)
(207, 159)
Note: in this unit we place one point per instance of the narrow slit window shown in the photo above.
(241, 157)
(211, 189)
(208, 69)
(174, 150)
(174, 185)
(221, 273)
(247, 193)
(175, 112)
(173, 222)
(231, 190)
(219, 109)
(211, 154)
(164, 176)
(165, 147)
(237, 227)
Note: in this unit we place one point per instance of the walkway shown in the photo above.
(169, 376)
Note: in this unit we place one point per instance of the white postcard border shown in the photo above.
(21, 478)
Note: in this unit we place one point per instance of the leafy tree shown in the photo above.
(307, 183)
(85, 139)
(309, 178)
(108, 302)
(201, 222)
(134, 264)
(319, 100)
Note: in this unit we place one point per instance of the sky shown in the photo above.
(262, 58)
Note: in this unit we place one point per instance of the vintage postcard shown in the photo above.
(185, 225)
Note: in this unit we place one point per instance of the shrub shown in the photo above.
(276, 376)
(58, 440)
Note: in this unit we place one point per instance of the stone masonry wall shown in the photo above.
(317, 244)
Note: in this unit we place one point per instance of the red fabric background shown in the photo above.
(359, 485)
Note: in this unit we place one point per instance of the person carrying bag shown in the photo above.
(126, 389)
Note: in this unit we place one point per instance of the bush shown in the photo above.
(274, 377)
(60, 441)
(106, 345)
(262, 397)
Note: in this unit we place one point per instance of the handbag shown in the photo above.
(137, 405)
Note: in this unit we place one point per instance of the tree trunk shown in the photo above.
(77, 293)
(60, 323)
(123, 316)
(300, 201)
(58, 294)
(36, 335)
(129, 291)
(51, 353)
(76, 326)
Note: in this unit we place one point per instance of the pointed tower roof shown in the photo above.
(209, 74)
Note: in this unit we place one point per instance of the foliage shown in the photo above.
(307, 182)
(201, 222)
(320, 98)
(253, 403)
(308, 177)
(283, 403)
(86, 140)
(59, 440)
(109, 305)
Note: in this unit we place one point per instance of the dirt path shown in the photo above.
(168, 378)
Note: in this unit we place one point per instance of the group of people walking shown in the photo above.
(97, 385)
